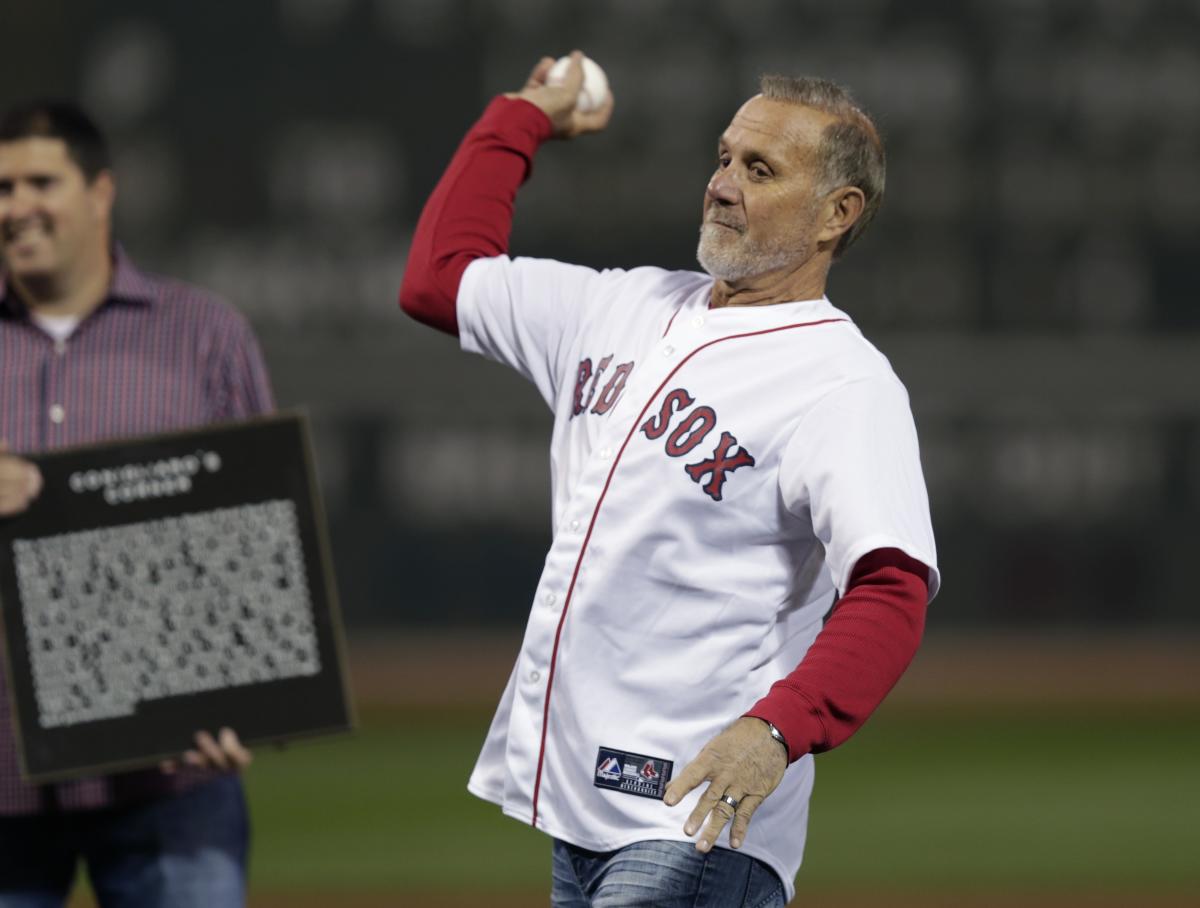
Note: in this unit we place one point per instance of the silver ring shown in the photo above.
(732, 802)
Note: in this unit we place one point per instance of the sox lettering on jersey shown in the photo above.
(690, 432)
(719, 464)
(586, 379)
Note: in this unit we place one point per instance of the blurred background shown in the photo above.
(1032, 276)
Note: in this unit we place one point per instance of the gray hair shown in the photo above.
(851, 151)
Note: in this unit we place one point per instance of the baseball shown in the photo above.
(595, 83)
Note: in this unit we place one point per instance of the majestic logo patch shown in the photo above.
(630, 773)
(609, 769)
(689, 432)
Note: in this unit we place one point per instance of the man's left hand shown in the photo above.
(224, 752)
(743, 763)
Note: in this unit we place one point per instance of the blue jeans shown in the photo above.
(179, 851)
(661, 874)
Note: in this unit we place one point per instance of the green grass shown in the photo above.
(926, 801)
(1011, 802)
(386, 809)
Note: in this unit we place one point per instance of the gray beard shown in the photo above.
(732, 260)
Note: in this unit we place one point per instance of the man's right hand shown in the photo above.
(558, 101)
(20, 483)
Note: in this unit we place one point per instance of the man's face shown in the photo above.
(761, 206)
(51, 218)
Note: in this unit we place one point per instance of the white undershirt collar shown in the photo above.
(59, 327)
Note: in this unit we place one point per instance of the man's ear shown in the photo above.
(103, 192)
(842, 208)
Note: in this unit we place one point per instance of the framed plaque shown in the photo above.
(162, 585)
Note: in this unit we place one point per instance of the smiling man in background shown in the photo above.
(93, 349)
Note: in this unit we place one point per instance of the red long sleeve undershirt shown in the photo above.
(866, 644)
(469, 215)
(874, 630)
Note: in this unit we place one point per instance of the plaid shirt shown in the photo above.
(155, 356)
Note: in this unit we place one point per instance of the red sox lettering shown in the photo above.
(585, 379)
(690, 432)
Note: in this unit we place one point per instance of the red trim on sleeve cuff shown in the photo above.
(866, 644)
(802, 730)
(523, 125)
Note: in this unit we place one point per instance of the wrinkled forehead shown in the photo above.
(781, 126)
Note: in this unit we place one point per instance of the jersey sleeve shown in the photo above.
(526, 313)
(853, 467)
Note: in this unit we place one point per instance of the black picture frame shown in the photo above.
(246, 603)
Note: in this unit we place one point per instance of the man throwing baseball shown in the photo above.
(742, 553)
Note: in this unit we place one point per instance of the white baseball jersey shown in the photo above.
(716, 475)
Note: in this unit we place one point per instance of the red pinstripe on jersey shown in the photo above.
(537, 785)
(670, 322)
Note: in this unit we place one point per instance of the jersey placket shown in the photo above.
(563, 583)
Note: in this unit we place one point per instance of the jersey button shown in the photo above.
(698, 321)
(668, 350)
(606, 453)
(535, 676)
(57, 414)
(574, 524)
(551, 600)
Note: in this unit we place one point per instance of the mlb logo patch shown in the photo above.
(609, 768)
(630, 773)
